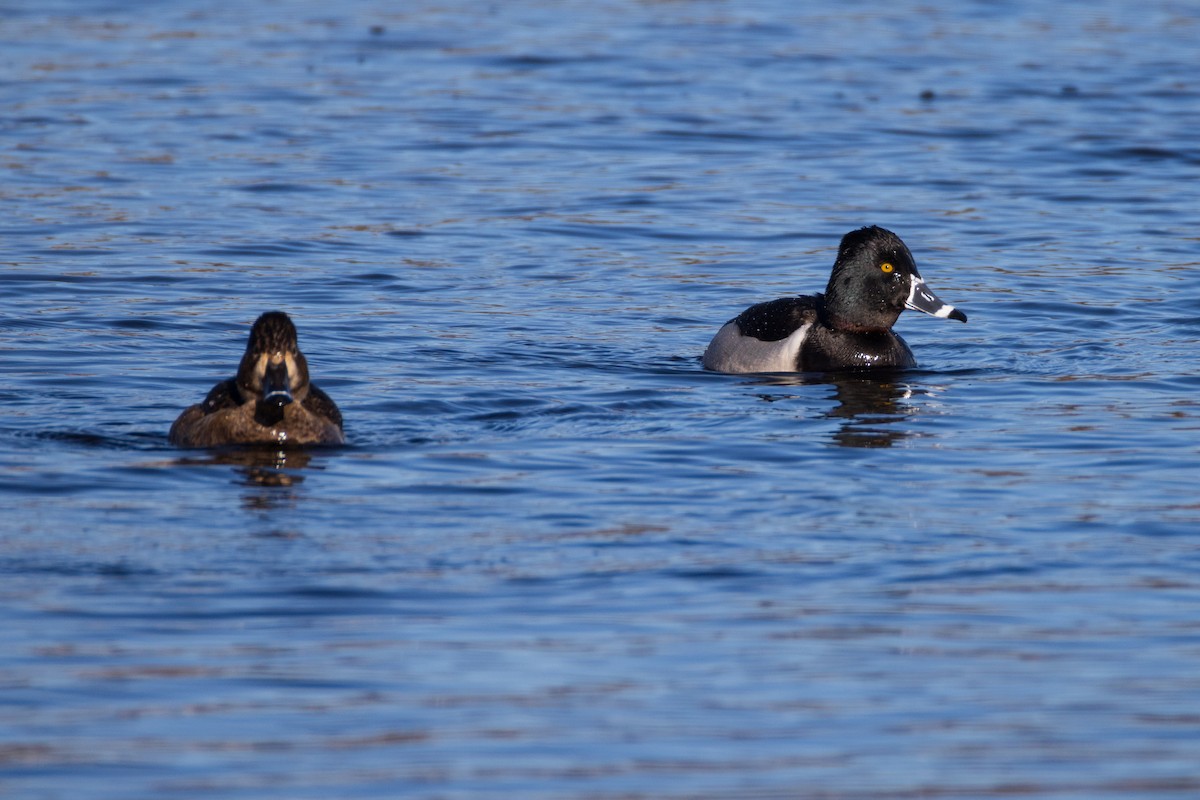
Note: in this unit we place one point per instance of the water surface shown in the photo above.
(558, 559)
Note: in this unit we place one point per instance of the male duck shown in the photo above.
(269, 401)
(847, 328)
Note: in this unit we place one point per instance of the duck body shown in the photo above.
(787, 335)
(269, 402)
(848, 327)
(226, 418)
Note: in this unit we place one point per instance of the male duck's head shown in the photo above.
(874, 279)
(273, 370)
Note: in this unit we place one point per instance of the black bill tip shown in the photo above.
(276, 389)
(921, 298)
(279, 397)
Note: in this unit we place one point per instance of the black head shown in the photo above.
(273, 369)
(873, 280)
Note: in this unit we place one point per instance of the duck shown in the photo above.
(848, 327)
(269, 401)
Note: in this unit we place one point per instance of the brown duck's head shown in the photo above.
(273, 369)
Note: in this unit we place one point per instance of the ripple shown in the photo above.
(553, 533)
(275, 188)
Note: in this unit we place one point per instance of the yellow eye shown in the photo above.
(886, 267)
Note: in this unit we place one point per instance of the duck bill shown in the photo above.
(276, 384)
(921, 298)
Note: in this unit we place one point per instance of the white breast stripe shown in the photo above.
(730, 351)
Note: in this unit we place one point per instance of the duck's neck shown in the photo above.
(841, 315)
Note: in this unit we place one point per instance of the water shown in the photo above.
(558, 559)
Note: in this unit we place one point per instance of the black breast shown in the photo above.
(827, 350)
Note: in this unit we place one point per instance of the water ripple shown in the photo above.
(557, 558)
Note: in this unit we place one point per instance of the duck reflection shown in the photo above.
(871, 407)
(261, 467)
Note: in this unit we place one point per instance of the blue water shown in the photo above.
(558, 559)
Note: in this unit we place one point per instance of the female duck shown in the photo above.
(269, 401)
(849, 327)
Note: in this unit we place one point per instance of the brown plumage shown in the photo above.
(269, 401)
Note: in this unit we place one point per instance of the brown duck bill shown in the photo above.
(276, 385)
